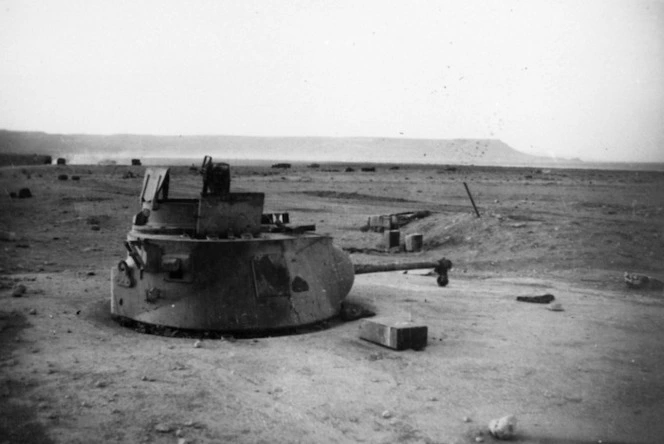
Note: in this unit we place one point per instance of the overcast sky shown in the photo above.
(560, 78)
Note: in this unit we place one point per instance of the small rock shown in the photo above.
(555, 306)
(100, 384)
(163, 428)
(350, 312)
(94, 227)
(387, 414)
(182, 441)
(503, 428)
(32, 311)
(197, 344)
(179, 433)
(19, 291)
(479, 439)
(466, 419)
(91, 273)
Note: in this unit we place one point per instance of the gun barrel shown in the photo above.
(378, 268)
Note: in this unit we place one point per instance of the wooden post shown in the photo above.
(471, 199)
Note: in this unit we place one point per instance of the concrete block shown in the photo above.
(414, 242)
(395, 334)
(391, 238)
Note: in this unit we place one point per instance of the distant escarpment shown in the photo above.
(92, 148)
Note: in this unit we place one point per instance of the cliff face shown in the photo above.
(352, 149)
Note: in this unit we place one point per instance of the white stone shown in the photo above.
(555, 306)
(503, 428)
(163, 428)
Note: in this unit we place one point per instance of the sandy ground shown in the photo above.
(587, 374)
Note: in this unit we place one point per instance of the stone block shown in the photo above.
(395, 334)
(391, 238)
(414, 242)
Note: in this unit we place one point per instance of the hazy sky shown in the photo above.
(561, 78)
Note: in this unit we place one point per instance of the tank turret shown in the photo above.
(218, 263)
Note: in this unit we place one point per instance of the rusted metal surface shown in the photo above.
(211, 264)
(269, 283)
(217, 263)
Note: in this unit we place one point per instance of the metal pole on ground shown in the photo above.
(471, 199)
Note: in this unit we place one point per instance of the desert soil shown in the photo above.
(588, 374)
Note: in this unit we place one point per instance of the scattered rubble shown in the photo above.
(393, 221)
(642, 282)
